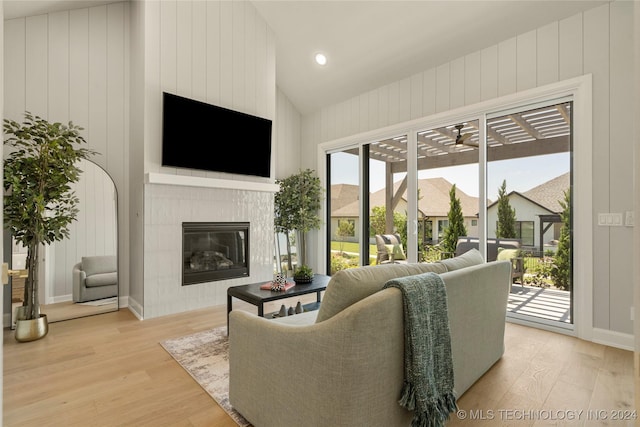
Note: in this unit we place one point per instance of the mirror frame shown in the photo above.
(49, 256)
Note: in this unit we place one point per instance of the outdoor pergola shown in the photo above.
(535, 132)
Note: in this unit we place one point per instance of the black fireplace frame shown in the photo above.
(193, 278)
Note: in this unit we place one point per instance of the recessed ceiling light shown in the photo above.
(321, 59)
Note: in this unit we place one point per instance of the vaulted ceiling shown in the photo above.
(372, 43)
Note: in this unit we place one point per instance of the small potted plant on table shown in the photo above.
(304, 274)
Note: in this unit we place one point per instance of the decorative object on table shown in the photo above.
(279, 282)
(291, 311)
(296, 208)
(304, 274)
(283, 311)
(299, 308)
(39, 204)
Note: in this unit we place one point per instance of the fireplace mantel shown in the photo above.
(196, 181)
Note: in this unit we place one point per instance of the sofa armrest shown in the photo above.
(78, 279)
(477, 302)
(345, 368)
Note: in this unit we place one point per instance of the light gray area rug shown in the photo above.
(205, 356)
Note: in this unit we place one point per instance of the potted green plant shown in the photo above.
(296, 208)
(303, 274)
(39, 203)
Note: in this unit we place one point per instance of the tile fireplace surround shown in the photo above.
(167, 205)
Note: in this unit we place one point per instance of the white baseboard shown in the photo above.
(614, 339)
(123, 302)
(135, 308)
(60, 298)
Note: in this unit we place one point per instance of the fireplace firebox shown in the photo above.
(214, 251)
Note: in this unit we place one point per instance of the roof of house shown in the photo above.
(546, 195)
(343, 194)
(550, 193)
(434, 199)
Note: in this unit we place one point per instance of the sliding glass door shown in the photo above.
(529, 177)
(498, 181)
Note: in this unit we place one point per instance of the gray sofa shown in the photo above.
(95, 277)
(343, 365)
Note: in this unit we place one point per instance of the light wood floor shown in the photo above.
(110, 370)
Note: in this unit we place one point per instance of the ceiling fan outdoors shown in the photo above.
(464, 139)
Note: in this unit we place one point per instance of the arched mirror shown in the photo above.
(79, 275)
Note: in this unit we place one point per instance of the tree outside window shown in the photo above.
(346, 228)
(506, 215)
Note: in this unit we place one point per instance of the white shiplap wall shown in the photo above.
(74, 66)
(598, 42)
(286, 142)
(221, 53)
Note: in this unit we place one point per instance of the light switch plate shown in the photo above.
(629, 219)
(602, 219)
(616, 219)
(611, 219)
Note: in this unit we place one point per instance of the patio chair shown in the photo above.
(517, 264)
(390, 249)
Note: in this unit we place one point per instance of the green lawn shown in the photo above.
(352, 247)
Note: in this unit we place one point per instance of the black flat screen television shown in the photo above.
(197, 135)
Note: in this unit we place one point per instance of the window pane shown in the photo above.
(388, 194)
(447, 161)
(525, 232)
(344, 207)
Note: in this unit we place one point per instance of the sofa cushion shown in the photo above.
(103, 279)
(467, 259)
(99, 264)
(349, 286)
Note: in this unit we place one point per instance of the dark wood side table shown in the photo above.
(254, 295)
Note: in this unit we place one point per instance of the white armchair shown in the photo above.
(95, 277)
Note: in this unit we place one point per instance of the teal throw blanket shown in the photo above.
(428, 366)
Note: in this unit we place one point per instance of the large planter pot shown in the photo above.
(20, 313)
(31, 330)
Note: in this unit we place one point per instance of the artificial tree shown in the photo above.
(296, 208)
(39, 203)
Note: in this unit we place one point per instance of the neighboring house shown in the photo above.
(537, 212)
(344, 195)
(433, 207)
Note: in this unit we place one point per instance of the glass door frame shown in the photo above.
(579, 89)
